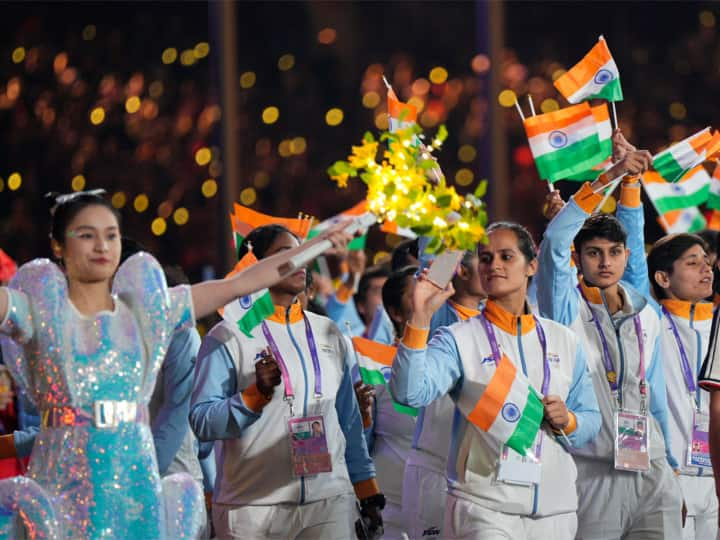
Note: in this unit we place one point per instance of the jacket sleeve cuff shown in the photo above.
(630, 195)
(415, 338)
(7, 446)
(586, 199)
(343, 294)
(254, 400)
(366, 488)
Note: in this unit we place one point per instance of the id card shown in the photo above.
(632, 441)
(698, 452)
(521, 470)
(308, 446)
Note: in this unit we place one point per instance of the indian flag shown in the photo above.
(360, 209)
(687, 220)
(402, 115)
(375, 363)
(508, 407)
(393, 228)
(714, 196)
(713, 220)
(595, 76)
(691, 191)
(602, 121)
(564, 142)
(251, 310)
(674, 161)
(244, 220)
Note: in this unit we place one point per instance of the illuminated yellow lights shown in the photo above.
(169, 55)
(156, 89)
(261, 180)
(78, 182)
(286, 62)
(203, 156)
(381, 121)
(549, 105)
(334, 117)
(327, 36)
(371, 100)
(270, 115)
(678, 111)
(417, 102)
(248, 196)
(438, 75)
(132, 105)
(97, 116)
(14, 181)
(141, 203)
(466, 153)
(464, 177)
(420, 87)
(609, 206)
(507, 98)
(158, 226)
(201, 50)
(187, 57)
(18, 55)
(707, 19)
(247, 79)
(181, 216)
(298, 145)
(89, 32)
(118, 200)
(209, 188)
(60, 62)
(284, 148)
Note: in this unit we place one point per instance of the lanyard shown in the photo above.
(610, 373)
(543, 343)
(687, 370)
(289, 392)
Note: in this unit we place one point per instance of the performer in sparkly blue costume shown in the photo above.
(85, 341)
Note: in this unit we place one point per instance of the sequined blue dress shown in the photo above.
(88, 479)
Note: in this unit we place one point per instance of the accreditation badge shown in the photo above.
(521, 470)
(632, 441)
(698, 452)
(308, 446)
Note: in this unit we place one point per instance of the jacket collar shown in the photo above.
(289, 315)
(463, 312)
(597, 298)
(703, 310)
(506, 321)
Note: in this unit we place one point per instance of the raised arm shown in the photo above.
(208, 296)
(630, 213)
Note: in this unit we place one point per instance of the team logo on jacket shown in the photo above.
(245, 302)
(487, 360)
(553, 358)
(510, 412)
(386, 371)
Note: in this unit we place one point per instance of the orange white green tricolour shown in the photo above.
(507, 407)
(689, 192)
(251, 310)
(673, 162)
(245, 220)
(375, 364)
(401, 114)
(714, 195)
(687, 220)
(595, 76)
(604, 128)
(359, 209)
(564, 142)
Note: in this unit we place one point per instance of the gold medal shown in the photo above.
(611, 376)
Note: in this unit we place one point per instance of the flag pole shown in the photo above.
(614, 111)
(661, 216)
(519, 110)
(532, 105)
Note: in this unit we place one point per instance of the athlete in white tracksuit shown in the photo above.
(425, 482)
(681, 277)
(460, 361)
(613, 503)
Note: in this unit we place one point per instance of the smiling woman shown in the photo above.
(85, 340)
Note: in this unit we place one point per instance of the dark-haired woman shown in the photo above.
(490, 494)
(258, 396)
(681, 277)
(85, 340)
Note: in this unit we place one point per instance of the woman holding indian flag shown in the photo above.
(507, 371)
